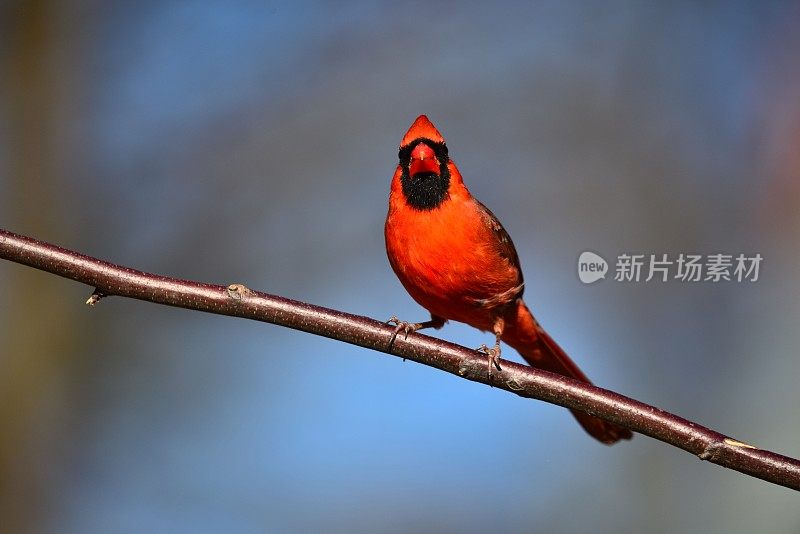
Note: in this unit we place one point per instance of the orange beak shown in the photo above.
(423, 159)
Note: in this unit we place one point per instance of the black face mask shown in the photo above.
(425, 190)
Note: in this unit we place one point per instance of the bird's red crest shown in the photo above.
(422, 127)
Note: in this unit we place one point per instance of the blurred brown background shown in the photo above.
(254, 142)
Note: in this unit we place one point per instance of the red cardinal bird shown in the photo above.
(455, 259)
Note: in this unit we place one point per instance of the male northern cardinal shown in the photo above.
(455, 259)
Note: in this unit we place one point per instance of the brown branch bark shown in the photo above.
(239, 301)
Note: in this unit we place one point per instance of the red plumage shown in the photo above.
(455, 259)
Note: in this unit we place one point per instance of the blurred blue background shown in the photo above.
(254, 142)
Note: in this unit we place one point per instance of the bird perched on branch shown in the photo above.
(456, 260)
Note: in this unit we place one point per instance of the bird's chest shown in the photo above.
(444, 259)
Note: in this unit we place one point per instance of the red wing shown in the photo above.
(505, 247)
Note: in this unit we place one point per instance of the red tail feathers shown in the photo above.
(539, 350)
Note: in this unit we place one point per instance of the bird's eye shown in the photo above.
(404, 155)
(441, 151)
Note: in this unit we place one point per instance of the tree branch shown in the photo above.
(239, 301)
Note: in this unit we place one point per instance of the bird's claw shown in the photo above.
(492, 357)
(402, 326)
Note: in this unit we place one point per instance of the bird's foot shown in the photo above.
(492, 357)
(402, 326)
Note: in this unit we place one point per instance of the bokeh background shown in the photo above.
(254, 142)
